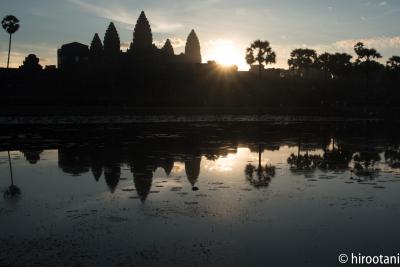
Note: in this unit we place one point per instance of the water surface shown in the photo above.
(199, 194)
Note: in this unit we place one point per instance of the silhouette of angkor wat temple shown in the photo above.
(141, 51)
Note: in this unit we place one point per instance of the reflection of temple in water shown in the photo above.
(32, 155)
(107, 163)
(103, 154)
(142, 168)
(192, 169)
(74, 162)
(112, 174)
(167, 164)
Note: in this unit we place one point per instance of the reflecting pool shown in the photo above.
(198, 194)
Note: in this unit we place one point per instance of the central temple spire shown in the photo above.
(142, 36)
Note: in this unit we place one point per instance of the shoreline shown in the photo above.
(31, 115)
(143, 119)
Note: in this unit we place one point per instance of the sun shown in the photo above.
(225, 53)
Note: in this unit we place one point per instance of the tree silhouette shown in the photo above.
(111, 42)
(393, 64)
(324, 63)
(260, 52)
(11, 24)
(167, 49)
(365, 54)
(142, 36)
(192, 48)
(341, 64)
(31, 63)
(334, 65)
(365, 59)
(302, 60)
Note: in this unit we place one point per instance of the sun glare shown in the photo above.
(226, 53)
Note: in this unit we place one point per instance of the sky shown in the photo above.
(225, 27)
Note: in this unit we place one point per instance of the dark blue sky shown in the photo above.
(223, 26)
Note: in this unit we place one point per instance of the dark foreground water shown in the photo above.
(199, 194)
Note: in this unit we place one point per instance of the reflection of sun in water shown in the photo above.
(178, 167)
(228, 163)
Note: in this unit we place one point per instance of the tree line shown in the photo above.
(334, 65)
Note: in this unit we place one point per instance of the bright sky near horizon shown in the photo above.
(225, 27)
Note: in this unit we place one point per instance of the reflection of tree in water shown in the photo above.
(31, 155)
(364, 163)
(336, 158)
(259, 176)
(12, 191)
(392, 157)
(304, 162)
(192, 168)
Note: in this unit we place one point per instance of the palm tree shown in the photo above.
(393, 64)
(11, 24)
(365, 54)
(334, 65)
(260, 52)
(324, 63)
(366, 60)
(302, 59)
(341, 64)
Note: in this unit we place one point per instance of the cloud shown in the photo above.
(176, 42)
(384, 3)
(166, 27)
(37, 12)
(113, 13)
(376, 42)
(125, 16)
